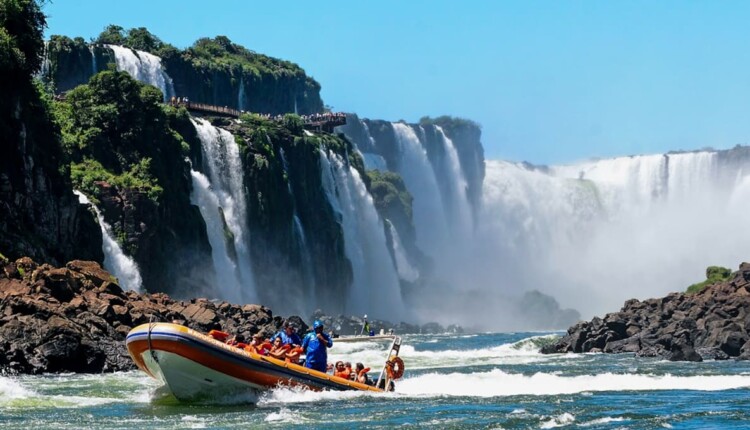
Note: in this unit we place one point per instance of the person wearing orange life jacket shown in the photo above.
(341, 371)
(362, 377)
(278, 350)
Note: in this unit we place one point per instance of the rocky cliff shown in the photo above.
(75, 318)
(39, 215)
(713, 323)
(214, 71)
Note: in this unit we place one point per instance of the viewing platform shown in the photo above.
(315, 122)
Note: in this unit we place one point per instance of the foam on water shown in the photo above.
(559, 421)
(284, 395)
(11, 389)
(497, 383)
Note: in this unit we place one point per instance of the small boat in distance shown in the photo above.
(195, 366)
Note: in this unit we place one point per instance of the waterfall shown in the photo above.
(94, 68)
(376, 288)
(241, 95)
(221, 156)
(116, 262)
(44, 71)
(597, 233)
(419, 177)
(227, 272)
(299, 233)
(307, 263)
(144, 67)
(405, 270)
(456, 203)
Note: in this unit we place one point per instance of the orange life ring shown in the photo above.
(395, 367)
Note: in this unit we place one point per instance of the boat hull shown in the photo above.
(195, 366)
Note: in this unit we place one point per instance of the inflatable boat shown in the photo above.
(193, 365)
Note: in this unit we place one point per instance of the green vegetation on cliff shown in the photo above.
(449, 123)
(714, 274)
(112, 130)
(21, 45)
(389, 192)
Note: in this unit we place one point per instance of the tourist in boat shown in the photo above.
(288, 335)
(258, 345)
(349, 372)
(278, 350)
(316, 344)
(362, 377)
(341, 371)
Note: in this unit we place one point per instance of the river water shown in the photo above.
(496, 381)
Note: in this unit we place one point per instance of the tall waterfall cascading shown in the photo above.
(221, 156)
(227, 273)
(241, 95)
(405, 270)
(94, 68)
(376, 288)
(307, 263)
(597, 233)
(456, 202)
(419, 177)
(122, 266)
(144, 67)
(299, 233)
(44, 70)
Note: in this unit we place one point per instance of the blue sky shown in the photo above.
(550, 81)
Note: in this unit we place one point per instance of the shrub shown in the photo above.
(714, 274)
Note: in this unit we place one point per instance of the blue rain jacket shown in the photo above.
(316, 351)
(286, 339)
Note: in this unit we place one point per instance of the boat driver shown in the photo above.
(315, 344)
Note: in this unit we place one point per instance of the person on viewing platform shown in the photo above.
(288, 335)
(316, 344)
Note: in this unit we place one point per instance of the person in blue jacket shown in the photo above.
(316, 344)
(288, 335)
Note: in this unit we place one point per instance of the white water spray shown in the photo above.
(221, 156)
(227, 272)
(419, 177)
(144, 67)
(94, 68)
(376, 288)
(598, 233)
(115, 261)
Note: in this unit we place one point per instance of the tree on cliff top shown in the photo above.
(136, 38)
(22, 26)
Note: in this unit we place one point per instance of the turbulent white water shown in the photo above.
(116, 261)
(144, 67)
(376, 287)
(499, 383)
(221, 156)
